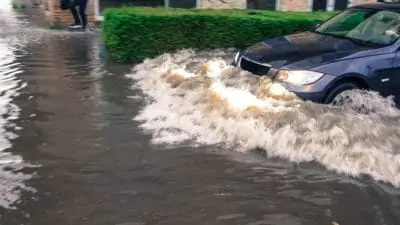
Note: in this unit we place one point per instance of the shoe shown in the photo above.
(74, 26)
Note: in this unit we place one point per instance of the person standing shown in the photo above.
(80, 20)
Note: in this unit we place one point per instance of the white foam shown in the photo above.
(339, 139)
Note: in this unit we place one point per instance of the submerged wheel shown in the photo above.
(339, 95)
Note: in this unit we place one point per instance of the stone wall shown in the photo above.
(294, 5)
(284, 5)
(55, 16)
(303, 5)
(355, 2)
(219, 4)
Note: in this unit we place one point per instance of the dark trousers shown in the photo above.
(82, 12)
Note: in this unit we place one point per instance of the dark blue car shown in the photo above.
(359, 48)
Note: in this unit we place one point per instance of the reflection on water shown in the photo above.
(12, 181)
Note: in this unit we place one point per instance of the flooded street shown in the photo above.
(170, 141)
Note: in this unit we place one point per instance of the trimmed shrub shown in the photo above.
(135, 33)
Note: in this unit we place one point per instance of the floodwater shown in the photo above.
(180, 139)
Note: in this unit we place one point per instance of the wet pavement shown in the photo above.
(82, 145)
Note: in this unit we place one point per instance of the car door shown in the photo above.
(389, 78)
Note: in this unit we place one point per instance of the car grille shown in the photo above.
(253, 67)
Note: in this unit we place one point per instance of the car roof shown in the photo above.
(391, 6)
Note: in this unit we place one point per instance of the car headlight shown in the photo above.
(299, 77)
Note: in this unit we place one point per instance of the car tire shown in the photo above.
(338, 89)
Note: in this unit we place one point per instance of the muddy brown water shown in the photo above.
(81, 144)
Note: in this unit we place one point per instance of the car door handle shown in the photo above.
(385, 80)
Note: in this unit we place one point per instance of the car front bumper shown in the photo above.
(315, 92)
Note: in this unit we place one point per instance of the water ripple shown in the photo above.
(12, 181)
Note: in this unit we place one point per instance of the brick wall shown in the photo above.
(293, 5)
(285, 5)
(303, 5)
(355, 2)
(222, 4)
(56, 16)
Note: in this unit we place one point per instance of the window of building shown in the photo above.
(341, 4)
(319, 5)
(186, 4)
(103, 4)
(261, 4)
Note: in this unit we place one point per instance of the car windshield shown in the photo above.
(364, 26)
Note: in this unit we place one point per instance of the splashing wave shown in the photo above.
(196, 97)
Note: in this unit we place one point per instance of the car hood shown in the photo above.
(305, 50)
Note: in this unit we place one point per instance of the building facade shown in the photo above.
(56, 16)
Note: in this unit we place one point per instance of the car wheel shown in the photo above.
(340, 96)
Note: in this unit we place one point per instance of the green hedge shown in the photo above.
(135, 33)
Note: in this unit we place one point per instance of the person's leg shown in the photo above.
(82, 12)
(77, 21)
